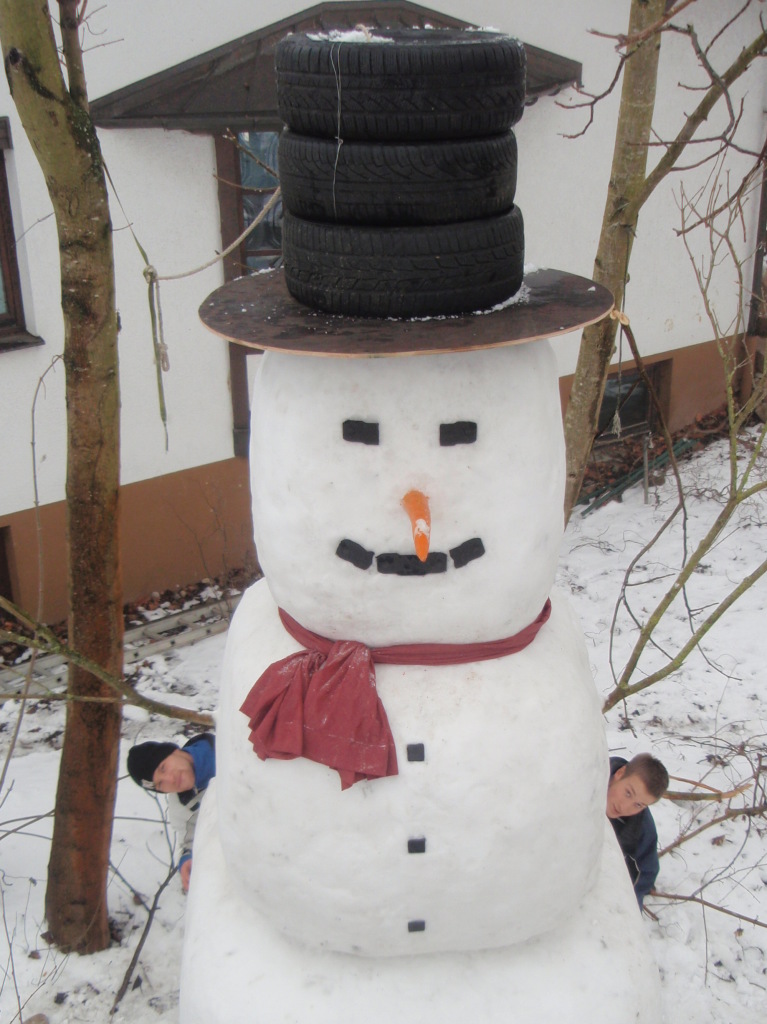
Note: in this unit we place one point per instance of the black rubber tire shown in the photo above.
(402, 84)
(397, 183)
(404, 272)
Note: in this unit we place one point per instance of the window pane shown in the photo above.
(260, 159)
(633, 406)
(258, 175)
(8, 270)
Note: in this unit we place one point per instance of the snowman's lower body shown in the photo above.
(238, 969)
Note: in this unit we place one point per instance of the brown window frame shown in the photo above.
(6, 583)
(13, 332)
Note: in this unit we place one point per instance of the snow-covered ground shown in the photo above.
(707, 722)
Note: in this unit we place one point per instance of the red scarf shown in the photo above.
(321, 703)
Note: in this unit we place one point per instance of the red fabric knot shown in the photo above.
(322, 703)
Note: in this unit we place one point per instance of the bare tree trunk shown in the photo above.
(59, 127)
(618, 226)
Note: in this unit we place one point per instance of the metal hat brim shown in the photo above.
(259, 313)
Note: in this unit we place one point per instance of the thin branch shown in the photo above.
(73, 55)
(715, 78)
(680, 507)
(592, 101)
(623, 690)
(234, 139)
(711, 906)
(25, 822)
(623, 41)
(137, 952)
(50, 643)
(735, 197)
(728, 24)
(9, 938)
(655, 398)
(738, 67)
(137, 896)
(729, 815)
(711, 794)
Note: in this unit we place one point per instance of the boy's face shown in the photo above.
(175, 774)
(627, 795)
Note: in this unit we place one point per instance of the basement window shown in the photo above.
(628, 395)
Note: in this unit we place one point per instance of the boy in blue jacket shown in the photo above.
(634, 786)
(183, 773)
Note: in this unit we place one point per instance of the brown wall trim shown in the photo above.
(176, 529)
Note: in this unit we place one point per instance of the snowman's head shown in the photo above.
(409, 499)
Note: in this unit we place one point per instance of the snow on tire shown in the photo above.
(397, 183)
(403, 272)
(401, 84)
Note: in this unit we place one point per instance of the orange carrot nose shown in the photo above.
(416, 504)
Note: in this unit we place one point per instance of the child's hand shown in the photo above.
(185, 871)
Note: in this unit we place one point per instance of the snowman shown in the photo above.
(408, 820)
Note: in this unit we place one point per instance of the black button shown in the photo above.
(416, 752)
(416, 846)
(416, 926)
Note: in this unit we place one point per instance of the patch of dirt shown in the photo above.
(611, 462)
(177, 599)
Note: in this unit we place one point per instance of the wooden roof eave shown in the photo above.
(233, 86)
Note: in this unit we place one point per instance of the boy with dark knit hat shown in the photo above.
(183, 774)
(634, 786)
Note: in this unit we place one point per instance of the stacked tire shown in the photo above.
(398, 171)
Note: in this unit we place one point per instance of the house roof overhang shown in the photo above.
(233, 86)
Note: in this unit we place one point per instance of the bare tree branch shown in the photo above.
(622, 41)
(738, 67)
(70, 21)
(48, 642)
(593, 99)
(144, 935)
(711, 906)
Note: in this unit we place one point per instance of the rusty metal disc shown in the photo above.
(259, 313)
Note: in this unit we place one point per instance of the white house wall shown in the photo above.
(21, 369)
(166, 183)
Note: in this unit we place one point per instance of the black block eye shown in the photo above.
(360, 431)
(460, 432)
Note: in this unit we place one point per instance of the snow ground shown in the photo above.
(707, 722)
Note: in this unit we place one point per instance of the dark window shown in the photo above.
(627, 395)
(258, 179)
(12, 327)
(5, 569)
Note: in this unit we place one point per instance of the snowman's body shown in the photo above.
(492, 832)
(511, 838)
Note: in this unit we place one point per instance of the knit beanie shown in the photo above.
(145, 758)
